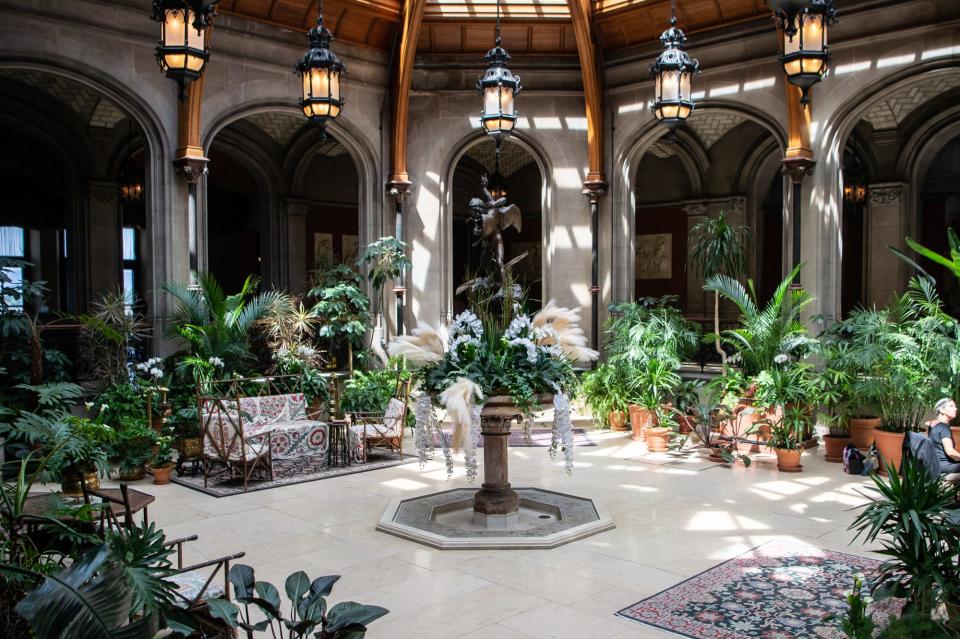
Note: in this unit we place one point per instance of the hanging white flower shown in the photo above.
(143, 367)
(157, 373)
(529, 345)
(216, 362)
(520, 326)
(781, 358)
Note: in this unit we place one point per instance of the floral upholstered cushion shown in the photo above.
(392, 424)
(189, 585)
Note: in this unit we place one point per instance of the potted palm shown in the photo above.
(707, 418)
(719, 248)
(685, 400)
(833, 389)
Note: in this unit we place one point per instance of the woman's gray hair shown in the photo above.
(940, 404)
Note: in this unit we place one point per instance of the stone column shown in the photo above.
(496, 504)
(697, 303)
(103, 238)
(886, 225)
(296, 214)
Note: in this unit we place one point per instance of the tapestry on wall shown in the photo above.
(654, 256)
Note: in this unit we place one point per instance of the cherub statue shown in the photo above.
(490, 217)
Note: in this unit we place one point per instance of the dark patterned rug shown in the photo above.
(539, 438)
(294, 471)
(777, 591)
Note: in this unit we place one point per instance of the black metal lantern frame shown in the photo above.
(673, 75)
(804, 52)
(499, 88)
(182, 51)
(320, 71)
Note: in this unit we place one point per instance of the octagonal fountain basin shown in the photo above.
(446, 520)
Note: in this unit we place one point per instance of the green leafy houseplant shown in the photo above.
(216, 326)
(707, 421)
(605, 390)
(163, 457)
(857, 624)
(368, 392)
(909, 518)
(719, 248)
(308, 608)
(386, 260)
(111, 331)
(344, 312)
(768, 336)
(787, 432)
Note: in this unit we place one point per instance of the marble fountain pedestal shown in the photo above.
(497, 515)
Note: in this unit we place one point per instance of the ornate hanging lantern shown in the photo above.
(499, 87)
(182, 52)
(320, 72)
(803, 26)
(673, 74)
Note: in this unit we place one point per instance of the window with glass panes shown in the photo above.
(131, 270)
(13, 246)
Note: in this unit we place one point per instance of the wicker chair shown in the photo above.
(385, 430)
(195, 587)
(227, 450)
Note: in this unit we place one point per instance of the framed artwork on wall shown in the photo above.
(654, 256)
(322, 246)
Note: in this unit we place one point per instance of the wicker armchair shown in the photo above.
(385, 430)
(228, 450)
(195, 587)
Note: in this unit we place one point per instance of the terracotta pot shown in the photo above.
(835, 446)
(317, 410)
(862, 429)
(788, 460)
(190, 447)
(161, 474)
(956, 435)
(134, 474)
(686, 423)
(640, 418)
(617, 420)
(73, 477)
(657, 439)
(890, 447)
(715, 454)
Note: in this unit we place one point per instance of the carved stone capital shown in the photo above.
(695, 209)
(798, 168)
(192, 168)
(886, 195)
(594, 189)
(398, 186)
(104, 192)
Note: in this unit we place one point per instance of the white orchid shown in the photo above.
(216, 362)
(157, 373)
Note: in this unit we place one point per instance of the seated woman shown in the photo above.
(947, 453)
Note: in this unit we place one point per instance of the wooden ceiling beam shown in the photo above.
(580, 12)
(407, 50)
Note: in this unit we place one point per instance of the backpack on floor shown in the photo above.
(921, 448)
(852, 460)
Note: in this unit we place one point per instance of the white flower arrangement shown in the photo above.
(216, 362)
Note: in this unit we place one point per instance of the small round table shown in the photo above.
(338, 447)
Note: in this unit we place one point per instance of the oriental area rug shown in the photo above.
(293, 471)
(776, 591)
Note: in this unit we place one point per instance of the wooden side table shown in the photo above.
(338, 445)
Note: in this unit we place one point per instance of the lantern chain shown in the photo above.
(497, 39)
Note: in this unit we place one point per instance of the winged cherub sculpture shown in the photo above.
(491, 217)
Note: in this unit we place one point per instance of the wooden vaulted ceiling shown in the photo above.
(529, 26)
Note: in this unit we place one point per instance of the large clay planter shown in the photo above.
(835, 446)
(135, 474)
(956, 435)
(862, 431)
(788, 460)
(686, 423)
(658, 439)
(890, 447)
(640, 419)
(617, 420)
(161, 474)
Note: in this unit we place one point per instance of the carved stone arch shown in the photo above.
(161, 266)
(464, 144)
(370, 198)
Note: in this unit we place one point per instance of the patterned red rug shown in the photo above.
(777, 591)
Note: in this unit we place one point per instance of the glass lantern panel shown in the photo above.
(317, 110)
(491, 100)
(792, 45)
(319, 83)
(335, 85)
(813, 35)
(174, 28)
(658, 89)
(670, 85)
(683, 112)
(792, 68)
(670, 111)
(685, 85)
(194, 62)
(305, 79)
(174, 61)
(195, 37)
(813, 65)
(334, 110)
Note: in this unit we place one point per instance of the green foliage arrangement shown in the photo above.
(309, 610)
(909, 517)
(216, 327)
(771, 335)
(857, 623)
(344, 312)
(369, 392)
(110, 334)
(606, 389)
